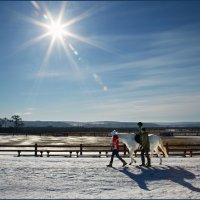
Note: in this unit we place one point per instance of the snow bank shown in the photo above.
(60, 177)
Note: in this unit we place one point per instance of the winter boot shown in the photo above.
(143, 160)
(124, 163)
(110, 165)
(148, 162)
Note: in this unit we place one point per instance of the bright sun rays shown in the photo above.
(56, 27)
(56, 30)
(53, 27)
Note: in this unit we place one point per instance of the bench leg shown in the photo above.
(48, 153)
(18, 153)
(70, 154)
(99, 154)
(77, 154)
(41, 153)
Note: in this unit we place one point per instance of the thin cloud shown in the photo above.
(153, 50)
(23, 113)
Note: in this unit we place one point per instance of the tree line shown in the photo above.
(15, 120)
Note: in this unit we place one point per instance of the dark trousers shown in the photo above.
(115, 152)
(146, 152)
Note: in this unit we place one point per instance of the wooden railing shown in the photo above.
(91, 150)
(50, 150)
(184, 150)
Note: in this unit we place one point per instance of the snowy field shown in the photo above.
(30, 140)
(61, 177)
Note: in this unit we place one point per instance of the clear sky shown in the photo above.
(100, 60)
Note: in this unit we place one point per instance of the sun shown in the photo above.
(56, 30)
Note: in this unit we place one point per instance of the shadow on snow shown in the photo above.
(175, 174)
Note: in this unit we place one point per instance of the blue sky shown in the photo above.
(116, 61)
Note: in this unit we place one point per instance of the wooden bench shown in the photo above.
(19, 151)
(22, 150)
(183, 150)
(57, 150)
(95, 149)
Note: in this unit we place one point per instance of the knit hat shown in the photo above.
(114, 132)
(140, 124)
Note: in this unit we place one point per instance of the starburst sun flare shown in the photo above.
(56, 29)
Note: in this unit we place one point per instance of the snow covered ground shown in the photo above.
(63, 177)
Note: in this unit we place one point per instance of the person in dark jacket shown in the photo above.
(138, 135)
(145, 148)
(115, 149)
(140, 124)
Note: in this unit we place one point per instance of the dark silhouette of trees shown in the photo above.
(5, 122)
(17, 120)
(1, 122)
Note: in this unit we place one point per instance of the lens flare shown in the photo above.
(45, 16)
(56, 30)
(35, 5)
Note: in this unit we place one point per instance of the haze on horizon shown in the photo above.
(100, 61)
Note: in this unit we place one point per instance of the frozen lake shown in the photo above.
(60, 177)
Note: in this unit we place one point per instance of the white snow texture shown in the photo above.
(64, 177)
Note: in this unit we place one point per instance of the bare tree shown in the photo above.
(5, 121)
(17, 120)
(1, 122)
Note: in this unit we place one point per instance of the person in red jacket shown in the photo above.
(115, 149)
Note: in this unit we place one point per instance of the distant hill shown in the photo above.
(105, 124)
(46, 124)
(180, 124)
(100, 124)
(114, 124)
